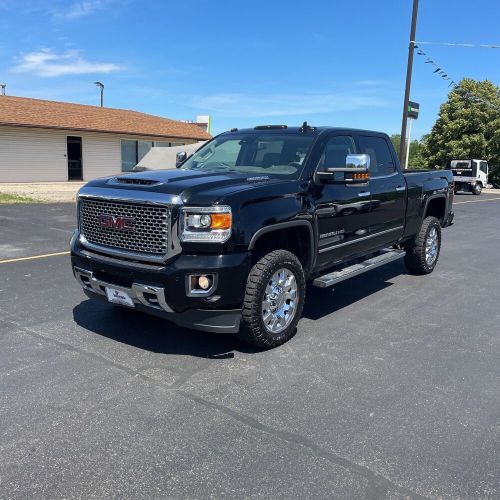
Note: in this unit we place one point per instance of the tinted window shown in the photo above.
(259, 154)
(335, 152)
(483, 167)
(129, 155)
(133, 152)
(381, 162)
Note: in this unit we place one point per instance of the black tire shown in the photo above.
(253, 329)
(416, 258)
(477, 189)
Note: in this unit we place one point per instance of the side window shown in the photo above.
(335, 152)
(381, 162)
(483, 167)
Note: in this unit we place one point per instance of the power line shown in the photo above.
(448, 44)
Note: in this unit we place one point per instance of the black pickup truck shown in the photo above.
(227, 242)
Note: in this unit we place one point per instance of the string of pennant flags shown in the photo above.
(439, 71)
(452, 83)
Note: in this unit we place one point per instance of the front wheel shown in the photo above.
(274, 299)
(422, 256)
(477, 189)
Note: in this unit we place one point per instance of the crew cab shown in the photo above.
(227, 241)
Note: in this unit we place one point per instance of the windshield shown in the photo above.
(280, 155)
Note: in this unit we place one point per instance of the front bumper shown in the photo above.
(161, 290)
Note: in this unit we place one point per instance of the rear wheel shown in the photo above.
(274, 299)
(477, 189)
(422, 256)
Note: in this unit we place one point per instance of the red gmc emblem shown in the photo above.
(118, 222)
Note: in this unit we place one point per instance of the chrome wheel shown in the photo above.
(279, 303)
(431, 246)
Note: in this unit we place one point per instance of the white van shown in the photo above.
(469, 175)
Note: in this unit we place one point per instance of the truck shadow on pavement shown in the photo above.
(154, 334)
(157, 335)
(321, 302)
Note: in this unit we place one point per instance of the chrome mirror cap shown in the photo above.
(180, 158)
(359, 162)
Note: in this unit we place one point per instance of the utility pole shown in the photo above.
(101, 86)
(411, 48)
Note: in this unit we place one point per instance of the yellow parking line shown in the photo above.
(475, 201)
(33, 257)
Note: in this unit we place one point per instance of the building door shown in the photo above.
(74, 148)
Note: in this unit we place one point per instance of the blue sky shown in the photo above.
(330, 62)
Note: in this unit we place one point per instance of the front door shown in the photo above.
(388, 191)
(342, 210)
(74, 149)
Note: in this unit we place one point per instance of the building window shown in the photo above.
(129, 155)
(143, 147)
(134, 151)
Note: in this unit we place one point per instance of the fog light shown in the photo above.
(204, 282)
(200, 284)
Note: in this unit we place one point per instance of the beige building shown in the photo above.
(55, 141)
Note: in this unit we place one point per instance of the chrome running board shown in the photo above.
(350, 271)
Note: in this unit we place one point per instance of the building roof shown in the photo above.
(25, 112)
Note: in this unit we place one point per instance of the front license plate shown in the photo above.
(119, 297)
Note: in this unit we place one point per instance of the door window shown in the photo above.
(381, 162)
(334, 155)
(483, 166)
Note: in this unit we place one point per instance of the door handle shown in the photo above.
(401, 188)
(364, 194)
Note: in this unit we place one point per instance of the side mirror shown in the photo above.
(359, 162)
(356, 171)
(180, 158)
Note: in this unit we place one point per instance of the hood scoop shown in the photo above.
(136, 181)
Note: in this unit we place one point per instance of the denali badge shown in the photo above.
(118, 222)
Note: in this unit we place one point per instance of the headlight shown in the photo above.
(206, 224)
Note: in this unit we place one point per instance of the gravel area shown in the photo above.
(56, 192)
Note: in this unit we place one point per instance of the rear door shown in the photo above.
(342, 211)
(387, 188)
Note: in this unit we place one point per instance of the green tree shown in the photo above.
(468, 126)
(415, 159)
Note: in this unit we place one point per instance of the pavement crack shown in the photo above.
(378, 485)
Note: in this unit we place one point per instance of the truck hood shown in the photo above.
(189, 185)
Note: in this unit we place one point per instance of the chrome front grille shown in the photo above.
(146, 232)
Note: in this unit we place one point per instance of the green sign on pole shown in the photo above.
(413, 108)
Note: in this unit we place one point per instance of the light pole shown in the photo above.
(101, 86)
(411, 48)
(2, 86)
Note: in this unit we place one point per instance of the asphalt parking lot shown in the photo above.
(390, 389)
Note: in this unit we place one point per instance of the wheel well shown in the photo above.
(480, 183)
(436, 208)
(295, 239)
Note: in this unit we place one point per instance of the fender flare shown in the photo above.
(435, 197)
(284, 225)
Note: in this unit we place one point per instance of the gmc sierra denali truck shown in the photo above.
(227, 241)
